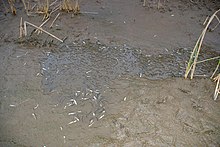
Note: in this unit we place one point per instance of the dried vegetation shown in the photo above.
(193, 61)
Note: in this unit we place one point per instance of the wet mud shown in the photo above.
(115, 81)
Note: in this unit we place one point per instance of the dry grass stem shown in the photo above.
(216, 24)
(77, 8)
(69, 6)
(95, 13)
(159, 5)
(25, 6)
(209, 59)
(53, 3)
(25, 29)
(32, 8)
(194, 56)
(55, 9)
(11, 3)
(54, 20)
(204, 23)
(25, 23)
(217, 87)
(37, 30)
(44, 9)
(21, 29)
(215, 69)
(144, 4)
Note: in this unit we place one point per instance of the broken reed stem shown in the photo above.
(25, 29)
(54, 20)
(25, 7)
(26, 22)
(194, 56)
(215, 69)
(42, 25)
(217, 88)
(21, 29)
(144, 4)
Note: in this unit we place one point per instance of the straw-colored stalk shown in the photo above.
(54, 20)
(25, 6)
(13, 9)
(21, 29)
(69, 6)
(39, 31)
(159, 5)
(217, 87)
(144, 4)
(44, 9)
(216, 69)
(25, 28)
(77, 8)
(194, 56)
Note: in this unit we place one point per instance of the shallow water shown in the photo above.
(80, 73)
(92, 66)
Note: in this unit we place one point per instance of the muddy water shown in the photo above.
(80, 73)
(92, 66)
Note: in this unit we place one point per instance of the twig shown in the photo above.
(42, 25)
(54, 20)
(26, 22)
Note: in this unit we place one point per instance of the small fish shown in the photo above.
(36, 106)
(91, 124)
(101, 116)
(140, 75)
(76, 118)
(12, 105)
(72, 122)
(34, 115)
(71, 113)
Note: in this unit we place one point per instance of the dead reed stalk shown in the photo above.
(54, 20)
(194, 56)
(39, 28)
(217, 87)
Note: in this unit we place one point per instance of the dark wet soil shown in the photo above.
(115, 81)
